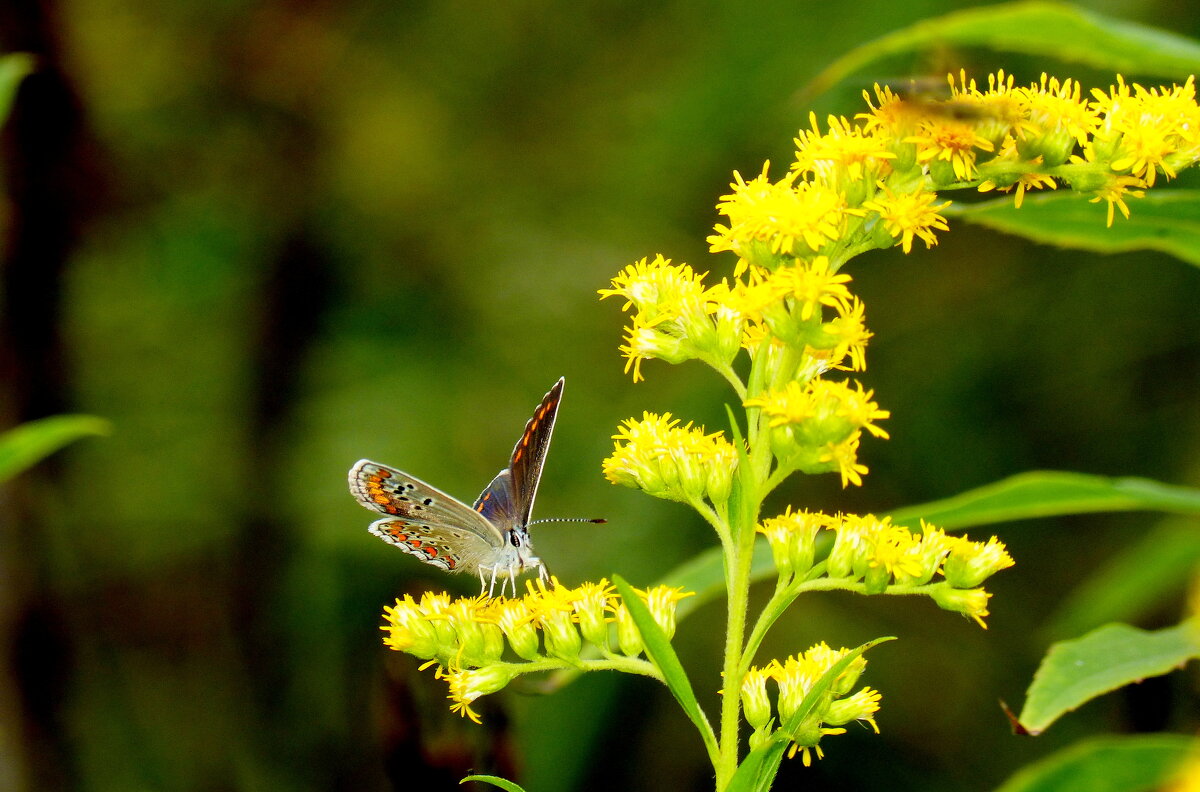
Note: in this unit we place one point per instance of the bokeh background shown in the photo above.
(267, 239)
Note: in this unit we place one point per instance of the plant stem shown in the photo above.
(739, 558)
(737, 577)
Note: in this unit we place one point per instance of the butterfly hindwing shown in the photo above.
(420, 540)
(496, 502)
(406, 497)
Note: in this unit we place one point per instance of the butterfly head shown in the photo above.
(526, 559)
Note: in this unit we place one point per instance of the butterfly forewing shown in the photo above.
(529, 455)
(400, 495)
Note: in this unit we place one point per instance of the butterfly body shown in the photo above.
(491, 537)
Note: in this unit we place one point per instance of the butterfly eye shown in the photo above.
(514, 539)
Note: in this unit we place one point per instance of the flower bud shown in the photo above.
(628, 636)
(971, 603)
(755, 702)
(971, 563)
(516, 621)
(408, 631)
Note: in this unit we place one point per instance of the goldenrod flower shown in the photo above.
(796, 676)
(909, 215)
(661, 602)
(468, 684)
(655, 287)
(670, 461)
(843, 336)
(808, 286)
(843, 457)
(755, 703)
(949, 147)
(792, 537)
(843, 155)
(970, 563)
(629, 638)
(553, 607)
(592, 603)
(1150, 130)
(1058, 120)
(861, 706)
(408, 630)
(793, 219)
(675, 317)
(516, 621)
(969, 602)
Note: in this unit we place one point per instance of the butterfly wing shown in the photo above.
(424, 521)
(508, 500)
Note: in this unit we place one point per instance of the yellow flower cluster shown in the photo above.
(676, 318)
(666, 460)
(795, 678)
(876, 556)
(468, 637)
(816, 426)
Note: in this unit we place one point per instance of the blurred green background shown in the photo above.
(267, 239)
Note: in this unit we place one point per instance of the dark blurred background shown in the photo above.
(267, 239)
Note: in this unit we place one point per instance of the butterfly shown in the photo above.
(490, 538)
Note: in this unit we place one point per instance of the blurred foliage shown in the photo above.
(332, 231)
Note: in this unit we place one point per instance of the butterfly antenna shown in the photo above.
(568, 519)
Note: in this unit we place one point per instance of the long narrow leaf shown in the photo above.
(29, 443)
(497, 781)
(1060, 31)
(660, 652)
(1077, 671)
(813, 697)
(1106, 764)
(757, 770)
(1049, 493)
(1166, 221)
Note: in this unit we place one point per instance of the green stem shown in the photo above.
(737, 576)
(733, 379)
(739, 557)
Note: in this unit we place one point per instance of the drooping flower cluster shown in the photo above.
(468, 638)
(872, 555)
(796, 678)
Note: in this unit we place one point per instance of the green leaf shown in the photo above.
(1063, 32)
(13, 69)
(503, 783)
(660, 652)
(1106, 764)
(1167, 221)
(1077, 671)
(27, 444)
(1152, 570)
(758, 769)
(1047, 493)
